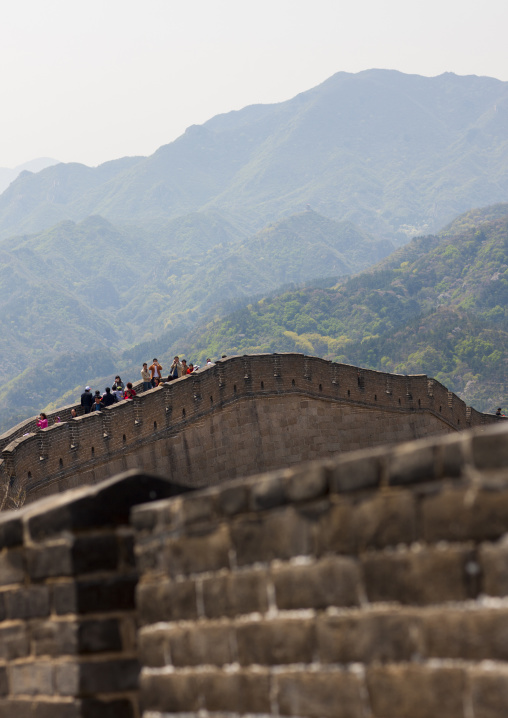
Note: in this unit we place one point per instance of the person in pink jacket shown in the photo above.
(42, 421)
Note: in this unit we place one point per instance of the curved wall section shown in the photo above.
(242, 416)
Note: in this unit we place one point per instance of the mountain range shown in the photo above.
(438, 306)
(396, 154)
(258, 230)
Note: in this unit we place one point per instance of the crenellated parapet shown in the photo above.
(241, 416)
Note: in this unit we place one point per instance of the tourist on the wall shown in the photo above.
(108, 398)
(42, 421)
(74, 414)
(155, 370)
(97, 405)
(184, 367)
(118, 384)
(191, 368)
(175, 370)
(129, 391)
(146, 377)
(87, 400)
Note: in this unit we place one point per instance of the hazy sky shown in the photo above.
(93, 81)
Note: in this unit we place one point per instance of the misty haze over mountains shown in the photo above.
(101, 267)
(396, 154)
(8, 175)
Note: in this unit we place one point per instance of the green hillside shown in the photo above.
(438, 306)
(77, 295)
(395, 154)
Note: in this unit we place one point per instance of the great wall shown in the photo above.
(242, 416)
(364, 583)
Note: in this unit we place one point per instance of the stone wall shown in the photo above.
(370, 585)
(68, 645)
(242, 416)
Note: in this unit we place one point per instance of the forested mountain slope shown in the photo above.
(77, 295)
(393, 153)
(438, 306)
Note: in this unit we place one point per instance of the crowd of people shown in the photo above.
(151, 377)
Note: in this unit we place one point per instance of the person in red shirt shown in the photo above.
(129, 391)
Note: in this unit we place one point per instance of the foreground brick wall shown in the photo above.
(374, 585)
(244, 415)
(68, 645)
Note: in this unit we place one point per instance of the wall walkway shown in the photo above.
(242, 416)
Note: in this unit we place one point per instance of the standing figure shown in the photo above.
(87, 400)
(147, 377)
(155, 371)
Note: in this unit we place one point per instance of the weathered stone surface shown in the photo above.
(384, 520)
(279, 534)
(420, 577)
(489, 691)
(239, 691)
(239, 592)
(276, 642)
(332, 581)
(366, 637)
(196, 554)
(493, 560)
(400, 691)
(166, 601)
(334, 694)
(465, 514)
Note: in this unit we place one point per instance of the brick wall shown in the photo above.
(244, 415)
(68, 646)
(371, 585)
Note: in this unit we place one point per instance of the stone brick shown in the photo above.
(201, 644)
(14, 642)
(356, 473)
(51, 559)
(115, 593)
(238, 592)
(400, 691)
(268, 492)
(411, 464)
(332, 581)
(54, 638)
(333, 694)
(489, 692)
(99, 636)
(31, 678)
(333, 530)
(465, 514)
(32, 602)
(170, 692)
(384, 520)
(489, 450)
(276, 641)
(91, 708)
(88, 678)
(473, 635)
(280, 534)
(366, 637)
(233, 499)
(4, 683)
(195, 554)
(12, 568)
(12, 708)
(419, 577)
(166, 601)
(239, 691)
(307, 482)
(493, 559)
(11, 531)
